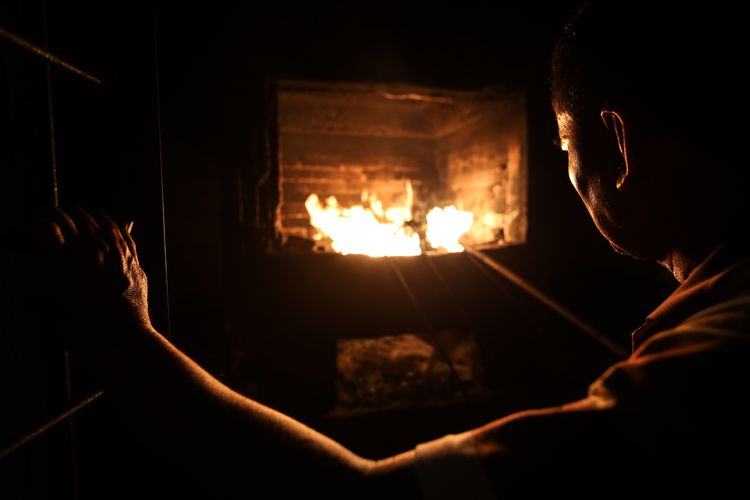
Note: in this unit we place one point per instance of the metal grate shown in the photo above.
(39, 445)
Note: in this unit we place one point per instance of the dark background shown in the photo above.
(177, 138)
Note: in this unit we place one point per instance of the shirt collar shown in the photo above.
(701, 289)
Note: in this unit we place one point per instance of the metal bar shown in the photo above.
(49, 425)
(157, 86)
(53, 145)
(581, 325)
(502, 285)
(428, 325)
(446, 287)
(74, 469)
(74, 466)
(47, 56)
(457, 304)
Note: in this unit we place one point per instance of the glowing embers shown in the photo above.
(372, 229)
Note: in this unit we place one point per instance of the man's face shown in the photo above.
(595, 167)
(590, 169)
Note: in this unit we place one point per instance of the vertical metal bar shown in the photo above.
(75, 469)
(53, 146)
(157, 88)
(74, 466)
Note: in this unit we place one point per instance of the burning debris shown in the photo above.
(371, 229)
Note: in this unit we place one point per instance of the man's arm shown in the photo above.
(234, 442)
(231, 442)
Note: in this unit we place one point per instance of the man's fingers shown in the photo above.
(112, 234)
(128, 226)
(52, 235)
(94, 235)
(42, 234)
(86, 224)
(90, 235)
(64, 223)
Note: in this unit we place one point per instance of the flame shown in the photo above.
(446, 225)
(371, 229)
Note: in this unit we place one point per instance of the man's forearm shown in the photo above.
(232, 441)
(186, 415)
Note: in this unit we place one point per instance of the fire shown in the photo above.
(371, 229)
(446, 225)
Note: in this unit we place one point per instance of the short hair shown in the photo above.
(680, 63)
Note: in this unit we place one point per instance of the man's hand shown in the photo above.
(95, 276)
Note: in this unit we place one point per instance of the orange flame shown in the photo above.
(445, 226)
(370, 231)
(379, 232)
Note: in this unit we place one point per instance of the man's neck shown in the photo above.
(680, 264)
(683, 260)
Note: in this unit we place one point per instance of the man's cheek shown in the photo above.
(573, 179)
(574, 174)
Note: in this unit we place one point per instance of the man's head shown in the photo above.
(652, 108)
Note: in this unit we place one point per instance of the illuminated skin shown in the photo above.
(629, 175)
(237, 446)
(590, 175)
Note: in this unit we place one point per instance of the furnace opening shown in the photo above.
(386, 170)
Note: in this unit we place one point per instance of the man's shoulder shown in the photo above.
(713, 298)
(723, 322)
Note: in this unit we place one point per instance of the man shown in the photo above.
(645, 97)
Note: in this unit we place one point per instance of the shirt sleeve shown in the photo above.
(673, 416)
(449, 468)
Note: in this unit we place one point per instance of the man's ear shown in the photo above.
(616, 126)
